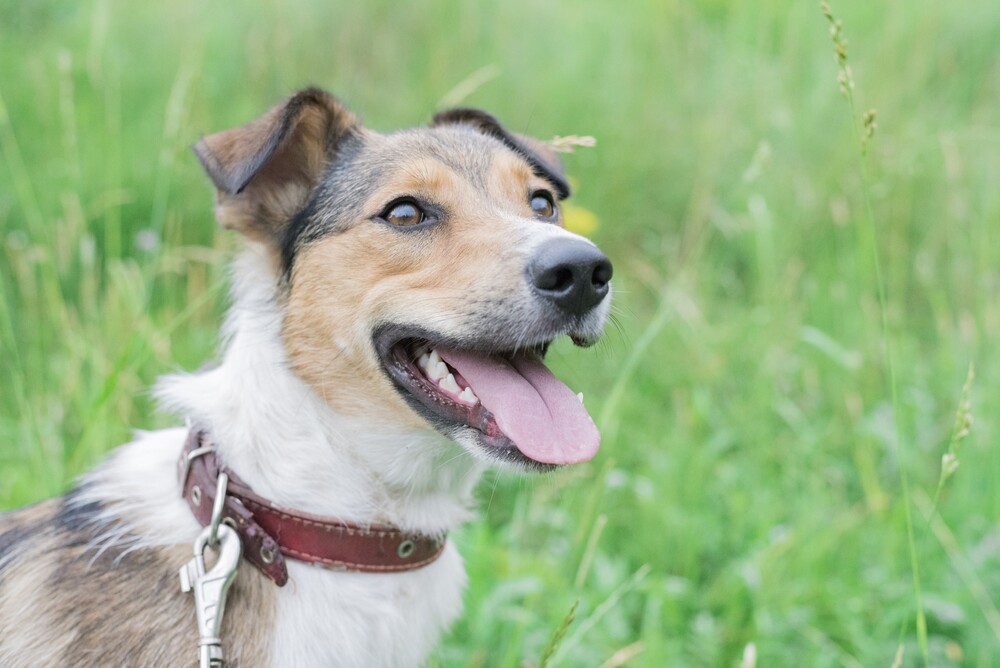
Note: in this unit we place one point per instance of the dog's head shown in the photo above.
(422, 273)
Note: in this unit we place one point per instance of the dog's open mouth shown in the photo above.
(515, 403)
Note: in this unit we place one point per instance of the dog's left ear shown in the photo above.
(266, 170)
(541, 157)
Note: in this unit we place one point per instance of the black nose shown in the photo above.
(570, 273)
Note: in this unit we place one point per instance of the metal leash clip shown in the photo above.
(210, 587)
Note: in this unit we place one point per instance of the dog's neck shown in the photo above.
(289, 446)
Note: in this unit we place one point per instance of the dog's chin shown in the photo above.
(434, 387)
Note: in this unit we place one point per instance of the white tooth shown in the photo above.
(448, 383)
(469, 397)
(433, 358)
(436, 371)
(422, 361)
(579, 395)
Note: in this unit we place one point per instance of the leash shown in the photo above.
(239, 524)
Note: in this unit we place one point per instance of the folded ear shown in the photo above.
(541, 157)
(265, 170)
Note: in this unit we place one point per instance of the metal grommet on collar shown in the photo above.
(267, 555)
(406, 549)
(196, 495)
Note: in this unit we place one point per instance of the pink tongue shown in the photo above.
(533, 408)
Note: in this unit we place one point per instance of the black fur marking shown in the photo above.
(342, 189)
(73, 515)
(78, 522)
(294, 229)
(11, 539)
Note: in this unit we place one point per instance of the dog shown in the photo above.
(390, 313)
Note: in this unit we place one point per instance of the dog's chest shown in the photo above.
(360, 619)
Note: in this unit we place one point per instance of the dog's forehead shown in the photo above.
(364, 164)
(462, 149)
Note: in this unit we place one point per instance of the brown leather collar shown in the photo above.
(269, 533)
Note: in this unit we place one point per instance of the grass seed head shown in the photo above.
(868, 121)
(569, 143)
(845, 79)
(960, 430)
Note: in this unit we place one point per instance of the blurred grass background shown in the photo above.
(747, 505)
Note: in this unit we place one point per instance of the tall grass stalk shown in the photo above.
(864, 127)
(960, 563)
(558, 635)
(599, 612)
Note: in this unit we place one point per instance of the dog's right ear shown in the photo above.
(264, 171)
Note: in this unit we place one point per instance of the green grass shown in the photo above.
(750, 483)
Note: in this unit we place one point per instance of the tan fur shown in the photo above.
(346, 283)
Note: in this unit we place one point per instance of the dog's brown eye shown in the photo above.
(542, 205)
(405, 214)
